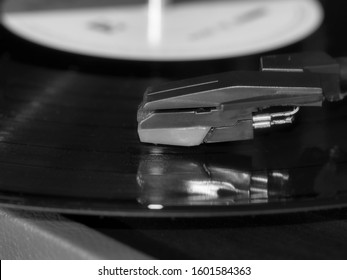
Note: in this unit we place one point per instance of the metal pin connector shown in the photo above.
(279, 118)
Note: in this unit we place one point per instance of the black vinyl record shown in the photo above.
(69, 141)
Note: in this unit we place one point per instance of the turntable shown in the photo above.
(72, 76)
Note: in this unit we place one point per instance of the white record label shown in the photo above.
(161, 30)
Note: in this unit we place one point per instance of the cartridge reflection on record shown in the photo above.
(168, 181)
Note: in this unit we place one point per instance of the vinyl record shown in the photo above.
(69, 142)
(163, 30)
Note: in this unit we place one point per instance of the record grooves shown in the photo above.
(69, 143)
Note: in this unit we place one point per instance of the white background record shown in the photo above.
(158, 30)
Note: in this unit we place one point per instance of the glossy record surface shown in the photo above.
(69, 143)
